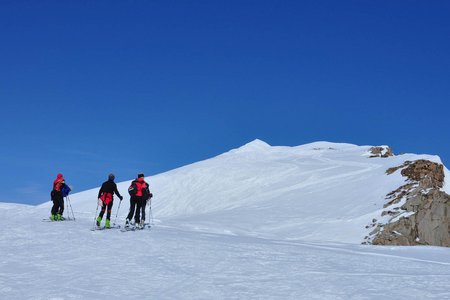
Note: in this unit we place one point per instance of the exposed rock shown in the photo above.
(394, 169)
(418, 212)
(429, 174)
(381, 151)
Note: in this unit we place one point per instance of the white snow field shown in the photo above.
(258, 222)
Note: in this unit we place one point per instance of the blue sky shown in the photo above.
(92, 87)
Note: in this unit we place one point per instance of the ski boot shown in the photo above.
(53, 217)
(107, 224)
(60, 217)
(127, 223)
(99, 219)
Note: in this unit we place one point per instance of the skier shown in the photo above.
(59, 185)
(106, 195)
(140, 194)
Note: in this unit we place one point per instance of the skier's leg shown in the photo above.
(102, 211)
(144, 205)
(108, 214)
(100, 215)
(132, 208)
(137, 215)
(55, 206)
(61, 205)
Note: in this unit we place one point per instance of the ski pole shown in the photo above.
(70, 204)
(151, 214)
(95, 216)
(147, 203)
(117, 213)
(67, 209)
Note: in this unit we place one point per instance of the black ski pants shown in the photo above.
(104, 207)
(132, 207)
(137, 208)
(58, 203)
(140, 210)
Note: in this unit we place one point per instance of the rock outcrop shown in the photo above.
(381, 151)
(417, 213)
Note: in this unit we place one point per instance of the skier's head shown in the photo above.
(141, 175)
(111, 177)
(59, 176)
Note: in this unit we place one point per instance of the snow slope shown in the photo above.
(317, 192)
(257, 222)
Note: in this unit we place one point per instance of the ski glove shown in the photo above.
(121, 198)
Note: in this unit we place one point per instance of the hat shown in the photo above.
(140, 175)
(111, 176)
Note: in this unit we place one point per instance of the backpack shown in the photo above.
(132, 190)
(65, 190)
(139, 188)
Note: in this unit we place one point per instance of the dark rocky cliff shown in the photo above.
(419, 212)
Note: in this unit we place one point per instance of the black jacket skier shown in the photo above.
(106, 195)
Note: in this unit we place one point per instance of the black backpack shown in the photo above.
(132, 190)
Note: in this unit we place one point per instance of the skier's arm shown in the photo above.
(150, 195)
(116, 191)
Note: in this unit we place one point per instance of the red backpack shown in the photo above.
(139, 189)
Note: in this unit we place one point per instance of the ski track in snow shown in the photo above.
(169, 263)
(258, 222)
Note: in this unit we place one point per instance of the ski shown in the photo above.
(104, 228)
(50, 220)
(96, 228)
(130, 228)
(135, 228)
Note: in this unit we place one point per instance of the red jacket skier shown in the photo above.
(57, 198)
(140, 194)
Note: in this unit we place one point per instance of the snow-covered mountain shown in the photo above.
(257, 222)
(317, 192)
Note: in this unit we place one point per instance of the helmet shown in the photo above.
(141, 175)
(111, 176)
